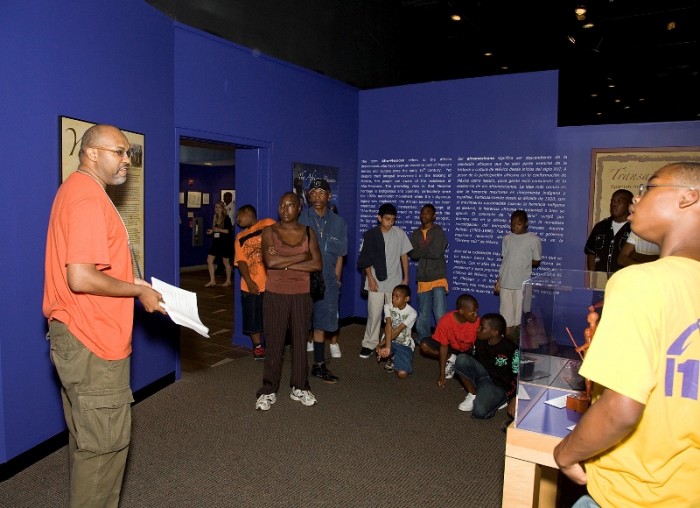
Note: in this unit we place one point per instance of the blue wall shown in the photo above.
(109, 62)
(499, 115)
(283, 114)
(125, 63)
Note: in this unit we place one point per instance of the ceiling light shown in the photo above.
(671, 25)
(588, 25)
(456, 17)
(611, 85)
(572, 39)
(594, 95)
(504, 67)
(488, 53)
(580, 10)
(618, 100)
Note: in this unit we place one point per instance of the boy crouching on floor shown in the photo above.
(398, 344)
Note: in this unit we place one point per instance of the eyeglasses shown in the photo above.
(121, 152)
(643, 188)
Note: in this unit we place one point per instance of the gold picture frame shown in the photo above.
(627, 168)
(128, 197)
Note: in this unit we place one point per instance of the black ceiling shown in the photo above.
(639, 62)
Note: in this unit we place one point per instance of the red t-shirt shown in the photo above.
(452, 333)
(84, 227)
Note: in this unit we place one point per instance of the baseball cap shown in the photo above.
(320, 183)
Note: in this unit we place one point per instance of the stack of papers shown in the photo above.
(181, 306)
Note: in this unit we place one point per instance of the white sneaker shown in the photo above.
(310, 346)
(304, 396)
(335, 351)
(265, 401)
(468, 403)
(450, 367)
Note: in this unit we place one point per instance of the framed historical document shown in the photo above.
(627, 168)
(128, 197)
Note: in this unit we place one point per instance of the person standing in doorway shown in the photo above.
(89, 291)
(221, 245)
(332, 234)
(249, 261)
(429, 244)
(230, 206)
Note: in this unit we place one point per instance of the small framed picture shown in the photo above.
(194, 199)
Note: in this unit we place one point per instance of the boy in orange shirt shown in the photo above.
(455, 333)
(248, 259)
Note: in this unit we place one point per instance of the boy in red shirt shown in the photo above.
(455, 333)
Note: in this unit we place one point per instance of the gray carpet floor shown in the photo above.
(372, 440)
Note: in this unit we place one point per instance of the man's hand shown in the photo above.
(149, 297)
(441, 381)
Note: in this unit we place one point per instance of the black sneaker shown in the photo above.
(320, 371)
(365, 352)
(389, 367)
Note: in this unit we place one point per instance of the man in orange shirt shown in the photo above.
(248, 258)
(89, 293)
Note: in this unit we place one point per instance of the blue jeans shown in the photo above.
(489, 396)
(431, 303)
(585, 502)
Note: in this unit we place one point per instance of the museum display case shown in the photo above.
(555, 329)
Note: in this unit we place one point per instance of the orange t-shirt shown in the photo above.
(84, 227)
(251, 253)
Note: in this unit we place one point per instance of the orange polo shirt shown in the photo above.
(84, 227)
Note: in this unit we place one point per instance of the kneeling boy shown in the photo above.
(398, 344)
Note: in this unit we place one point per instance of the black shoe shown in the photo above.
(365, 352)
(320, 371)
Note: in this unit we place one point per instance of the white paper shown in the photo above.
(571, 427)
(181, 306)
(558, 402)
(522, 393)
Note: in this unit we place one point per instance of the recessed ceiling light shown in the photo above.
(588, 25)
(504, 67)
(572, 39)
(671, 25)
(618, 100)
(599, 113)
(594, 94)
(488, 53)
(456, 17)
(580, 10)
(611, 85)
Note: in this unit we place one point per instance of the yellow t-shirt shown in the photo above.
(647, 347)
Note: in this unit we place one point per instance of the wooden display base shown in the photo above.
(578, 402)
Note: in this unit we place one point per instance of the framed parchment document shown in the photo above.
(627, 168)
(128, 197)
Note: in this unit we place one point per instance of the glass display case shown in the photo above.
(553, 328)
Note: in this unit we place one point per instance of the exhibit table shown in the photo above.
(530, 474)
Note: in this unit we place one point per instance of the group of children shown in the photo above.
(473, 349)
(465, 345)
